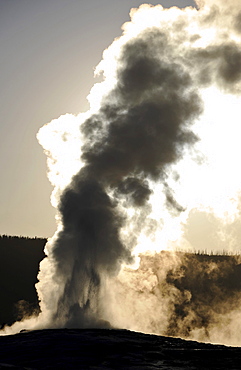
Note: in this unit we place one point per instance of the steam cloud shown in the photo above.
(139, 129)
(184, 295)
(148, 125)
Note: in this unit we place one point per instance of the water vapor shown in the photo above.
(140, 128)
(178, 294)
(157, 148)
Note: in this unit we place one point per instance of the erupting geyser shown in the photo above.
(139, 129)
(158, 148)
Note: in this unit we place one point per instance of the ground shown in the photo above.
(111, 349)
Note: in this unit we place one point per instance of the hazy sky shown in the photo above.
(49, 49)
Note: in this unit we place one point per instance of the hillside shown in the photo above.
(19, 263)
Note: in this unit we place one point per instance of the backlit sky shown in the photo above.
(49, 49)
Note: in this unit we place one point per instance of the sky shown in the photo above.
(49, 50)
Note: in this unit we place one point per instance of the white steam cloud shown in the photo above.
(153, 165)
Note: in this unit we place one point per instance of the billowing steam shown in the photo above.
(153, 165)
(139, 130)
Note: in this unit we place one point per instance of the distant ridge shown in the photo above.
(6, 236)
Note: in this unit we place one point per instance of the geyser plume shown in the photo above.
(139, 129)
(153, 152)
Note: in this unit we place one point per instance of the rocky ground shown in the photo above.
(111, 349)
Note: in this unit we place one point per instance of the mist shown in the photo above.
(187, 295)
(152, 166)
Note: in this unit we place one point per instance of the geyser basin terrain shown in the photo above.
(192, 296)
(134, 172)
(153, 165)
(111, 349)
